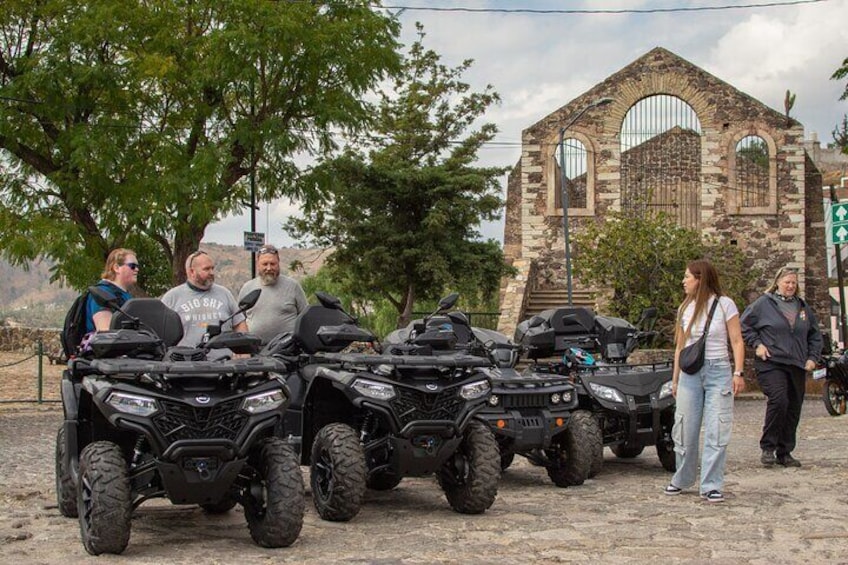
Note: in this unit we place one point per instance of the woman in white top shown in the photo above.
(705, 397)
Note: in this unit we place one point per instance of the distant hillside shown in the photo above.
(27, 298)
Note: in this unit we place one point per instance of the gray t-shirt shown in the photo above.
(199, 308)
(277, 307)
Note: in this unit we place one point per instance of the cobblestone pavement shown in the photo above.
(771, 516)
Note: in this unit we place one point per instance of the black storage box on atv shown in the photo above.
(139, 425)
(632, 404)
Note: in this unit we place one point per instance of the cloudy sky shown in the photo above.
(538, 62)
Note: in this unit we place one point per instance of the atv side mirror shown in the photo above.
(448, 301)
(647, 318)
(249, 300)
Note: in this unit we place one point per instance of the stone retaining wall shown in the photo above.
(26, 340)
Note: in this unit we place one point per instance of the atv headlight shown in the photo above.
(475, 390)
(665, 389)
(374, 389)
(494, 399)
(606, 393)
(567, 397)
(556, 398)
(263, 402)
(132, 404)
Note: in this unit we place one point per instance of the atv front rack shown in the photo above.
(171, 369)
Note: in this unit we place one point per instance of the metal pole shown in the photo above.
(252, 179)
(840, 278)
(40, 350)
(564, 188)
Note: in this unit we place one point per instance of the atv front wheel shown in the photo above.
(103, 499)
(274, 505)
(469, 478)
(666, 455)
(627, 451)
(66, 488)
(834, 397)
(337, 473)
(574, 451)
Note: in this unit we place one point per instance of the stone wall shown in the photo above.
(26, 340)
(786, 231)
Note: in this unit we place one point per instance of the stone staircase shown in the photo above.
(540, 300)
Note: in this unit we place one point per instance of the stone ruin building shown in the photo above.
(673, 138)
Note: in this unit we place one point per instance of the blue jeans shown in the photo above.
(703, 398)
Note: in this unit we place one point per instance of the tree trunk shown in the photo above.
(409, 302)
(185, 244)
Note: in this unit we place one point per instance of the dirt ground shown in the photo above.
(771, 516)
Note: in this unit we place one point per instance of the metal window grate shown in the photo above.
(661, 159)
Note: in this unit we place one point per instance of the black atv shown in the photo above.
(145, 420)
(367, 420)
(533, 415)
(632, 403)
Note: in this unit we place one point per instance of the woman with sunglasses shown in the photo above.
(785, 336)
(119, 275)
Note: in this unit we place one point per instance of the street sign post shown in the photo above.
(254, 240)
(839, 222)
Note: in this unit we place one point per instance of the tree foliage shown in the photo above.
(403, 209)
(137, 124)
(839, 74)
(642, 260)
(840, 134)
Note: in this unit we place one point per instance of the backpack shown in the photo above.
(73, 330)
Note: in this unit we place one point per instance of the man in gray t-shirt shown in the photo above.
(201, 302)
(282, 298)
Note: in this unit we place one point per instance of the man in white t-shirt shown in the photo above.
(201, 302)
(281, 301)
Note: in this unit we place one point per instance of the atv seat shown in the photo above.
(571, 320)
(153, 315)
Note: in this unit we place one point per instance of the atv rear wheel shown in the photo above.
(575, 450)
(469, 478)
(274, 506)
(337, 473)
(66, 488)
(627, 451)
(103, 499)
(383, 480)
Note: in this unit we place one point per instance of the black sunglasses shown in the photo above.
(267, 250)
(133, 266)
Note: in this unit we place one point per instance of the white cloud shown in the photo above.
(538, 63)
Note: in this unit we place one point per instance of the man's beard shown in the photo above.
(268, 278)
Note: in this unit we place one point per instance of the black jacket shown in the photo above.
(763, 322)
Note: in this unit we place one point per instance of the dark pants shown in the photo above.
(784, 386)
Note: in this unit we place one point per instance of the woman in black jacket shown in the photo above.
(787, 343)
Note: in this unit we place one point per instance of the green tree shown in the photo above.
(403, 217)
(840, 134)
(138, 124)
(839, 74)
(643, 260)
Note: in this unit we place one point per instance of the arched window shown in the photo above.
(574, 172)
(752, 167)
(661, 159)
(575, 162)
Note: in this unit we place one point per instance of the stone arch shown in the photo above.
(552, 172)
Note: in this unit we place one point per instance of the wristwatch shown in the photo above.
(737, 373)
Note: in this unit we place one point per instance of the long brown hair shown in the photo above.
(115, 259)
(708, 284)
